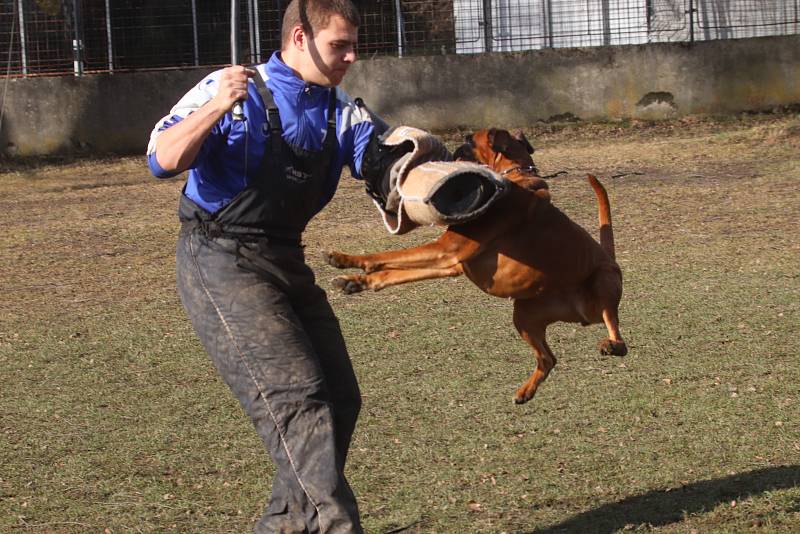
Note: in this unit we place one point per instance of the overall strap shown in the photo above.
(332, 110)
(330, 134)
(273, 116)
(275, 126)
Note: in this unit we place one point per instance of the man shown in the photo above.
(253, 185)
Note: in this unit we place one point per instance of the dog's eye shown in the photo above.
(468, 139)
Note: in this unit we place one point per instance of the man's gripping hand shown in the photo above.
(178, 146)
(232, 87)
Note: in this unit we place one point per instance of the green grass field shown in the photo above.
(112, 418)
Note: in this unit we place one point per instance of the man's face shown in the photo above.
(330, 53)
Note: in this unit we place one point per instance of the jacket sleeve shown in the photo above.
(359, 125)
(194, 99)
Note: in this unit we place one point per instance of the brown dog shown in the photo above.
(523, 248)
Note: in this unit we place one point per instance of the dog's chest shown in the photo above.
(503, 276)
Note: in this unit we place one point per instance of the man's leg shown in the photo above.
(316, 314)
(319, 321)
(260, 348)
(312, 309)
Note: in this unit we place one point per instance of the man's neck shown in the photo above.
(289, 59)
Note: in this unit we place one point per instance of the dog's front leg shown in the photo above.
(444, 253)
(380, 279)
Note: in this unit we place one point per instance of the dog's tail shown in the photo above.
(604, 214)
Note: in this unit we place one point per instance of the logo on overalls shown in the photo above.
(296, 176)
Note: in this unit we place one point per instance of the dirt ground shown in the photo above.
(112, 418)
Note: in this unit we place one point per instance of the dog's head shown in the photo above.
(499, 149)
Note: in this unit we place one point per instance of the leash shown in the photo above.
(403, 529)
(531, 169)
(559, 173)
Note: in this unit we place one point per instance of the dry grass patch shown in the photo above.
(112, 417)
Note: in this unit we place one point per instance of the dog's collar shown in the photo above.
(526, 169)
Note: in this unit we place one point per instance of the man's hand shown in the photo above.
(178, 146)
(232, 87)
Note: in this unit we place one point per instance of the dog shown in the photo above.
(522, 248)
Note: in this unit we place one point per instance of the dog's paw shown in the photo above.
(523, 395)
(350, 284)
(334, 259)
(608, 347)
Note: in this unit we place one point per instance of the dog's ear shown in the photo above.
(490, 133)
(499, 139)
(520, 136)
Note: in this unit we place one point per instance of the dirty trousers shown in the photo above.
(274, 339)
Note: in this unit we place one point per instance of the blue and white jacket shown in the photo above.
(231, 155)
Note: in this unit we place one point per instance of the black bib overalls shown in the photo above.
(271, 332)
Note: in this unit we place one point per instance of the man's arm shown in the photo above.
(178, 146)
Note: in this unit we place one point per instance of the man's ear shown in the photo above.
(298, 37)
(520, 136)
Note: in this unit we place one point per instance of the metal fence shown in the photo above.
(56, 37)
(513, 25)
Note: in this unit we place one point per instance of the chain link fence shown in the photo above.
(57, 37)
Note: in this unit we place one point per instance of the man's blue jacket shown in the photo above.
(231, 155)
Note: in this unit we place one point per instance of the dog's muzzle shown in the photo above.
(465, 151)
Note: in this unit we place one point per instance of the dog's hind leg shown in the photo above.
(607, 292)
(531, 326)
(614, 344)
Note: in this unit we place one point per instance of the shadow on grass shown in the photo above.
(659, 508)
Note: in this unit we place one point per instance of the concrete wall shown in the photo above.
(95, 114)
(115, 113)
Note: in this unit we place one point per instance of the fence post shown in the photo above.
(606, 16)
(257, 32)
(23, 44)
(77, 42)
(691, 21)
(194, 34)
(251, 33)
(487, 25)
(548, 23)
(400, 27)
(108, 37)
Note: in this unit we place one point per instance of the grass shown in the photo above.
(113, 418)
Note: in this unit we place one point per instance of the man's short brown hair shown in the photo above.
(315, 15)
